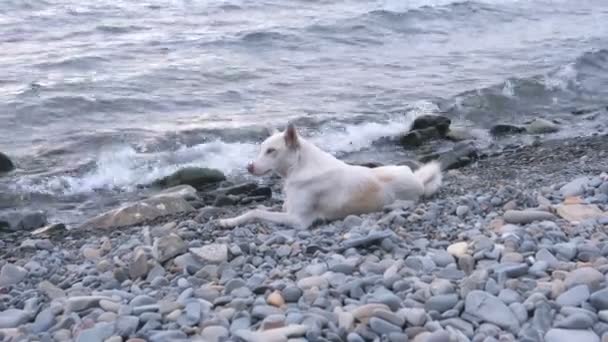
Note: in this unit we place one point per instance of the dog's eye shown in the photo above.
(270, 150)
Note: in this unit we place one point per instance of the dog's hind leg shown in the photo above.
(263, 215)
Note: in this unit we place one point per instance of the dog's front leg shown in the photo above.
(263, 215)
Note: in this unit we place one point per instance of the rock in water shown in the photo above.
(461, 154)
(490, 309)
(139, 212)
(419, 137)
(505, 129)
(6, 164)
(571, 335)
(440, 123)
(541, 126)
(197, 177)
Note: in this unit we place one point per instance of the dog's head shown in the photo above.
(277, 153)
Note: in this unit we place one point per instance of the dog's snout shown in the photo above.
(250, 168)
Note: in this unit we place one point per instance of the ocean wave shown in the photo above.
(125, 167)
(574, 84)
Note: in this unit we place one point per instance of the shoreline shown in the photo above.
(463, 264)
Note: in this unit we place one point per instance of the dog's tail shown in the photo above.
(430, 176)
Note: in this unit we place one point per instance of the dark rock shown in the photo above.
(264, 191)
(16, 221)
(197, 177)
(223, 201)
(6, 165)
(370, 165)
(440, 123)
(506, 129)
(418, 137)
(583, 111)
(54, 229)
(460, 155)
(239, 189)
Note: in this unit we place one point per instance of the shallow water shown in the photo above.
(97, 97)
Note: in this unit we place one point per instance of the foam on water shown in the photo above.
(562, 78)
(122, 168)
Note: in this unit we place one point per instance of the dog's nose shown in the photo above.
(250, 167)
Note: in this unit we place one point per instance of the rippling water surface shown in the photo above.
(99, 96)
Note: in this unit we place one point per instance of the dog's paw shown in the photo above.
(227, 223)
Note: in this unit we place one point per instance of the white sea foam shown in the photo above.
(123, 168)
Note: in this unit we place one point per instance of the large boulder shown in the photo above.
(418, 137)
(6, 164)
(139, 212)
(197, 177)
(440, 123)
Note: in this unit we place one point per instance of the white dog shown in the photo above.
(319, 186)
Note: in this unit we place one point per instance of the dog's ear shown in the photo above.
(291, 136)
